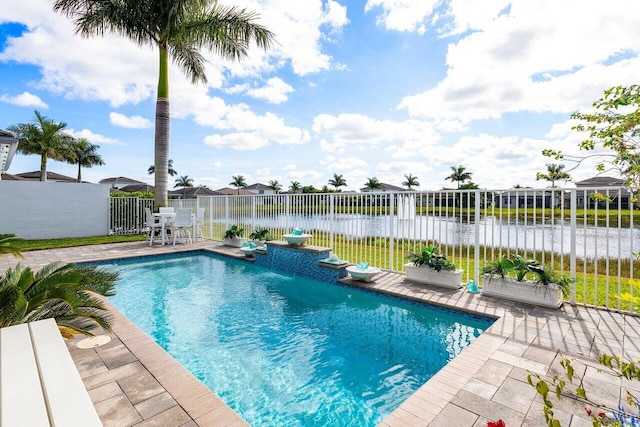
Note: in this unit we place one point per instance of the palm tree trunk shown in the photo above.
(43, 168)
(162, 134)
(79, 172)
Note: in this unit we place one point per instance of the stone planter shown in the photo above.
(526, 291)
(236, 242)
(429, 276)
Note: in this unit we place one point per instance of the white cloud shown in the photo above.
(25, 99)
(274, 92)
(335, 15)
(303, 176)
(95, 138)
(343, 164)
(133, 122)
(237, 141)
(403, 15)
(544, 56)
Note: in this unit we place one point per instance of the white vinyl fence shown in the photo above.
(592, 238)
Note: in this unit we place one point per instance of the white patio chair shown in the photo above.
(166, 210)
(151, 224)
(182, 224)
(198, 225)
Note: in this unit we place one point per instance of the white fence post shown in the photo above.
(331, 218)
(572, 262)
(391, 234)
(476, 243)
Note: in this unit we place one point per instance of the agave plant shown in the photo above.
(65, 292)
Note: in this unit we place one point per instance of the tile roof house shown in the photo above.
(259, 188)
(384, 188)
(51, 176)
(120, 181)
(8, 177)
(226, 191)
(619, 197)
(192, 193)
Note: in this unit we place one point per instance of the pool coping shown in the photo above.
(522, 339)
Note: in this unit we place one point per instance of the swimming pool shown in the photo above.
(284, 350)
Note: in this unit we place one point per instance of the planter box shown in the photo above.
(527, 291)
(236, 242)
(445, 279)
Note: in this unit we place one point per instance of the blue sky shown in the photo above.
(371, 88)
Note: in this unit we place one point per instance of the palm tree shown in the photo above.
(184, 182)
(238, 182)
(372, 183)
(275, 186)
(170, 170)
(8, 245)
(84, 153)
(554, 173)
(295, 186)
(60, 291)
(179, 29)
(459, 174)
(411, 181)
(44, 137)
(337, 181)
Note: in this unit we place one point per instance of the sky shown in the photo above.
(366, 88)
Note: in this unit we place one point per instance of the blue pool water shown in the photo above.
(284, 350)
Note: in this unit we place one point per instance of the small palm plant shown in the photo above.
(64, 292)
(8, 245)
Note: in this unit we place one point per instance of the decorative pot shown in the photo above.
(235, 242)
(526, 291)
(296, 239)
(443, 278)
(365, 274)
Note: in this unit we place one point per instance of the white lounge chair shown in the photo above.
(197, 230)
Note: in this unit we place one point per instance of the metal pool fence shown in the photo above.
(590, 234)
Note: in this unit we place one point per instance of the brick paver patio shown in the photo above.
(132, 381)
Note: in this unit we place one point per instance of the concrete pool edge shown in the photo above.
(420, 407)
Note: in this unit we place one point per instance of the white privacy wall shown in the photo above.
(48, 210)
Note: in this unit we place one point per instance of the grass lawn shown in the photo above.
(35, 245)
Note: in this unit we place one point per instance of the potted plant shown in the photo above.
(233, 237)
(524, 280)
(431, 268)
(259, 235)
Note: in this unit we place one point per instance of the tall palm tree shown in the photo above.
(459, 174)
(295, 186)
(44, 137)
(554, 173)
(179, 29)
(275, 186)
(84, 153)
(184, 182)
(238, 182)
(337, 181)
(372, 183)
(170, 170)
(410, 182)
(64, 292)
